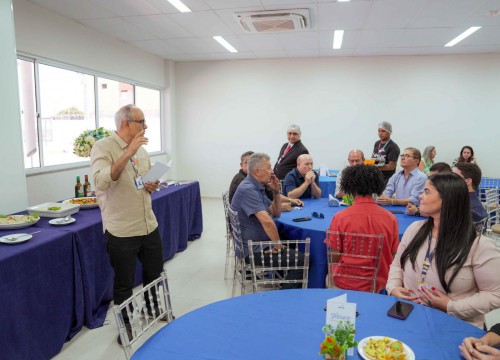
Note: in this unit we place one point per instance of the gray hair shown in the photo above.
(294, 127)
(353, 151)
(125, 113)
(256, 160)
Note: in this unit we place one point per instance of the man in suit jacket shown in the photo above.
(290, 151)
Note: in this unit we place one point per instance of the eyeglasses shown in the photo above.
(140, 122)
(318, 215)
(406, 156)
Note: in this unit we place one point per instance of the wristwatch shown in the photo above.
(418, 212)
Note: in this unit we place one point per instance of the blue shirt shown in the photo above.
(294, 179)
(410, 188)
(477, 209)
(250, 198)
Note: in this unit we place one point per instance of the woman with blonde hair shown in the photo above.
(427, 159)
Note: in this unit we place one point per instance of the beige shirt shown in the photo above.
(126, 211)
(476, 288)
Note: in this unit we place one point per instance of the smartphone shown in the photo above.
(301, 219)
(400, 310)
(397, 211)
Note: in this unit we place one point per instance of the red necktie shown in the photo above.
(286, 150)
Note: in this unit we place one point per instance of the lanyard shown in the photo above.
(383, 148)
(427, 261)
(135, 163)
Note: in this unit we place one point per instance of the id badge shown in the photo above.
(138, 182)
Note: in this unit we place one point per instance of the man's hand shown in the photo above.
(384, 200)
(411, 209)
(310, 177)
(296, 202)
(137, 142)
(274, 184)
(151, 186)
(286, 206)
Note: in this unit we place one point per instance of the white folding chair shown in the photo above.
(229, 236)
(354, 256)
(491, 206)
(140, 318)
(272, 270)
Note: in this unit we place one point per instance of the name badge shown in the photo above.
(138, 182)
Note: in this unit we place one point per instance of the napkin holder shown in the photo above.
(332, 202)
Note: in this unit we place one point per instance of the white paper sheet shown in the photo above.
(156, 172)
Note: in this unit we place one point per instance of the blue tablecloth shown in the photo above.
(287, 325)
(316, 230)
(179, 214)
(39, 305)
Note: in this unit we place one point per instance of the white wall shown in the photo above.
(13, 196)
(45, 34)
(224, 108)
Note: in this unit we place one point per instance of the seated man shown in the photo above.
(289, 152)
(406, 184)
(439, 167)
(355, 157)
(302, 182)
(365, 217)
(286, 202)
(255, 212)
(471, 173)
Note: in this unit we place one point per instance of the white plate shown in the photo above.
(83, 206)
(15, 238)
(410, 355)
(342, 203)
(61, 221)
(64, 209)
(18, 225)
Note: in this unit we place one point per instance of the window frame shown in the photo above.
(46, 169)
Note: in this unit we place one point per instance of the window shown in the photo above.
(65, 105)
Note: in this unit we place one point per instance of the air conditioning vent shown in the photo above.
(274, 21)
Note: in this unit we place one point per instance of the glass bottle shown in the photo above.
(87, 188)
(78, 188)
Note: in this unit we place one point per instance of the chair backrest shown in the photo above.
(225, 201)
(269, 272)
(139, 317)
(491, 205)
(354, 256)
(236, 233)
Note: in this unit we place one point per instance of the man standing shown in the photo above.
(286, 202)
(289, 152)
(255, 212)
(386, 151)
(471, 173)
(355, 157)
(302, 182)
(118, 164)
(407, 184)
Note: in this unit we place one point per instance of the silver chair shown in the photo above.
(140, 318)
(229, 236)
(273, 268)
(492, 207)
(362, 249)
(241, 269)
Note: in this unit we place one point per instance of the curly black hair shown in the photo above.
(363, 180)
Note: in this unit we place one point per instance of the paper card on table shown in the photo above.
(156, 172)
(338, 309)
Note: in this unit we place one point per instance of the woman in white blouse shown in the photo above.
(442, 262)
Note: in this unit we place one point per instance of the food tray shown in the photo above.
(64, 209)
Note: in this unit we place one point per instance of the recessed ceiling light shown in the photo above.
(179, 5)
(337, 39)
(463, 35)
(224, 43)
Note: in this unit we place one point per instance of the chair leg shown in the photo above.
(228, 254)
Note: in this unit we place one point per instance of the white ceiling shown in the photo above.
(372, 27)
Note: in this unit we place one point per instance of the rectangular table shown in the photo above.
(179, 215)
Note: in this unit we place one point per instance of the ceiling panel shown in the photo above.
(127, 7)
(233, 4)
(161, 26)
(75, 9)
(203, 23)
(118, 28)
(343, 16)
(262, 42)
(165, 7)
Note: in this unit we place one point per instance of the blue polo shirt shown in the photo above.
(250, 198)
(294, 179)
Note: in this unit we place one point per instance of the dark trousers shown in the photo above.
(123, 253)
(292, 274)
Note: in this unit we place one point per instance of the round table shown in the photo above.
(316, 230)
(287, 325)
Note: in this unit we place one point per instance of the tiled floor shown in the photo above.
(196, 278)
